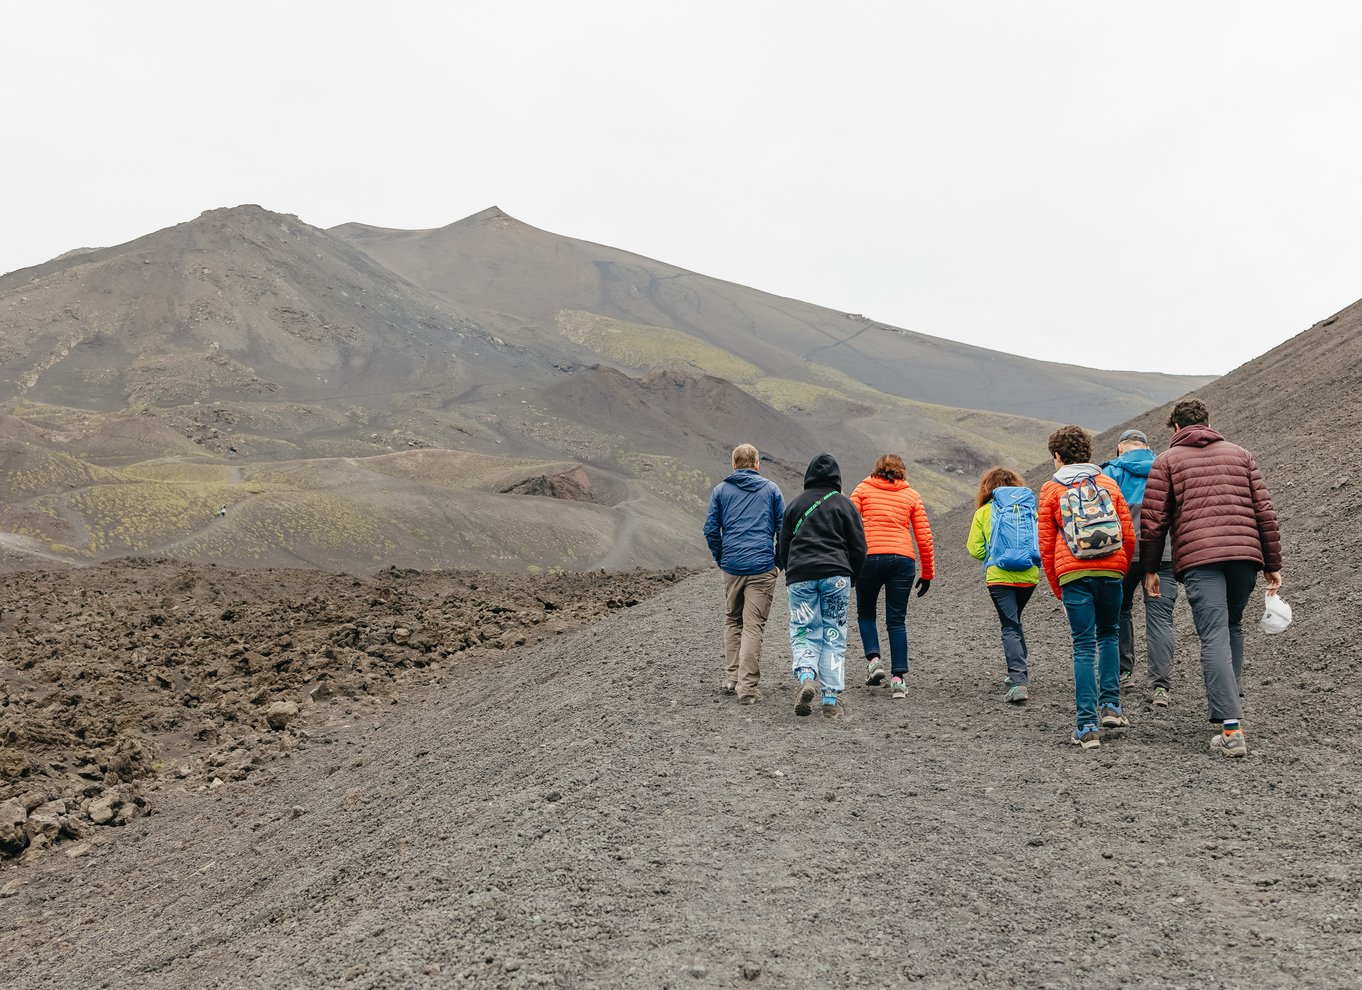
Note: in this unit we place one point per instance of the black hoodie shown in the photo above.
(831, 540)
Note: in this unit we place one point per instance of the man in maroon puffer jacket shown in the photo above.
(1209, 494)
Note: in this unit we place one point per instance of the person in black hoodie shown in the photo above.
(822, 548)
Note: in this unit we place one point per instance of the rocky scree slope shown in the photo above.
(116, 679)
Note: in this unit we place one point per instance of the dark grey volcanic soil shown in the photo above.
(592, 812)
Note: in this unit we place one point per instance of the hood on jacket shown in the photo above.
(747, 479)
(823, 472)
(887, 484)
(1196, 435)
(1070, 473)
(1136, 462)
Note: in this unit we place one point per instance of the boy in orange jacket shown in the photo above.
(1086, 541)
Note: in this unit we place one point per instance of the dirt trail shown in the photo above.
(30, 547)
(591, 812)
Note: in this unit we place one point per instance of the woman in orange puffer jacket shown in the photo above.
(894, 520)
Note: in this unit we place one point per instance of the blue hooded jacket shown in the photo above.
(1130, 471)
(745, 511)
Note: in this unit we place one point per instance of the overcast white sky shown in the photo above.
(1178, 178)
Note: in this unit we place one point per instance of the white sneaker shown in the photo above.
(1231, 744)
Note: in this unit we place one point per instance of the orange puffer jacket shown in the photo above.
(1055, 555)
(894, 517)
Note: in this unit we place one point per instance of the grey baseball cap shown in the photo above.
(1133, 435)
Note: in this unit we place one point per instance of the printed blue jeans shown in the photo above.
(818, 628)
(1093, 605)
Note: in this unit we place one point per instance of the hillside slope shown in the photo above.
(506, 271)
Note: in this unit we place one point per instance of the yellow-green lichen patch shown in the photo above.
(177, 470)
(650, 348)
(795, 397)
(139, 517)
(34, 471)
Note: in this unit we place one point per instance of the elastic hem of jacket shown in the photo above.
(1076, 575)
(745, 573)
(795, 577)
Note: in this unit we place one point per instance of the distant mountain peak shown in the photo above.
(244, 213)
(493, 215)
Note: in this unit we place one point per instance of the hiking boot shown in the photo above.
(807, 691)
(874, 671)
(749, 699)
(898, 689)
(1114, 718)
(1016, 694)
(832, 708)
(730, 687)
(1127, 679)
(1161, 697)
(1232, 744)
(1089, 737)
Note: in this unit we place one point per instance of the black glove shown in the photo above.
(922, 585)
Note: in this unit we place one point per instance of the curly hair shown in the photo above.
(890, 467)
(1072, 444)
(994, 478)
(1189, 412)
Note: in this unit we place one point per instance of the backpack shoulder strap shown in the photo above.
(808, 512)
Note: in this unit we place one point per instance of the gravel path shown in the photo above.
(591, 812)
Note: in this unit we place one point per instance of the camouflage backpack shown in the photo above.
(1089, 520)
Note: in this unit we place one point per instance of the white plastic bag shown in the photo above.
(1276, 615)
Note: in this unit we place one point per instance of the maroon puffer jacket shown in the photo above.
(1210, 494)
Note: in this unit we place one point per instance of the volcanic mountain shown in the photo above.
(246, 388)
(502, 269)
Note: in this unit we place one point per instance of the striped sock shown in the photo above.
(1231, 725)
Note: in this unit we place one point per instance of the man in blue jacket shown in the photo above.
(745, 513)
(1130, 470)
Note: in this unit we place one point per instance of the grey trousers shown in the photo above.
(747, 603)
(1218, 594)
(1158, 625)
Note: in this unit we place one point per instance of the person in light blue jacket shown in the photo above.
(1130, 470)
(743, 524)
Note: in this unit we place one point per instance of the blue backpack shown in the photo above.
(1013, 544)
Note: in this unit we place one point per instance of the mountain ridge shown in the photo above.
(147, 384)
(632, 287)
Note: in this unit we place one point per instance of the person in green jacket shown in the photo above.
(1009, 589)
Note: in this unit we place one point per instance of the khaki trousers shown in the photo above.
(747, 603)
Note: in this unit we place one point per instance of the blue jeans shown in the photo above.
(1093, 605)
(894, 573)
(1009, 600)
(818, 628)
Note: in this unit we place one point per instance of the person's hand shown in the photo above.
(922, 585)
(1151, 584)
(1274, 581)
